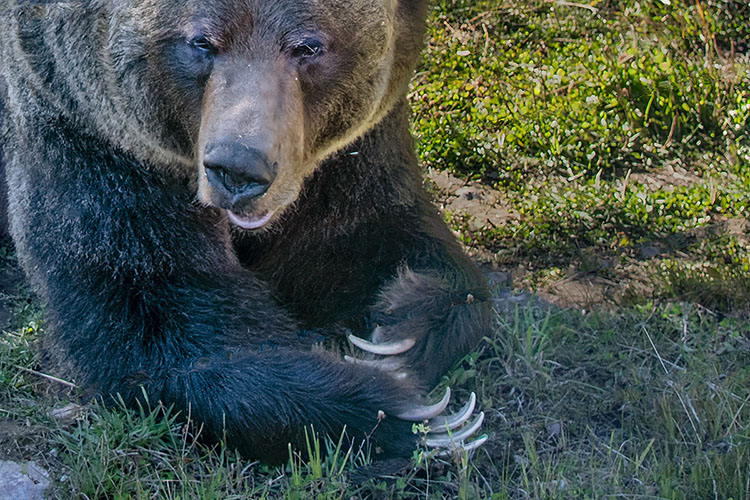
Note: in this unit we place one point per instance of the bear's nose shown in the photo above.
(240, 170)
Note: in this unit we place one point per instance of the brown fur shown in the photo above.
(120, 211)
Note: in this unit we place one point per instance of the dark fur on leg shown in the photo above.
(193, 328)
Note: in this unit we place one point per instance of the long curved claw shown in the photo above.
(476, 443)
(445, 440)
(426, 412)
(386, 348)
(445, 423)
(467, 447)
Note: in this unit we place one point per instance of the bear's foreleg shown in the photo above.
(143, 291)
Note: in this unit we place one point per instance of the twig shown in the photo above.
(671, 132)
(616, 452)
(625, 184)
(48, 377)
(643, 351)
(685, 407)
(593, 10)
(736, 416)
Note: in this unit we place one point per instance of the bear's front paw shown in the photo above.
(446, 433)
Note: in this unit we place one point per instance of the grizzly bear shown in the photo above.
(202, 190)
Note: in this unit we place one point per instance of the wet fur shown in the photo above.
(144, 288)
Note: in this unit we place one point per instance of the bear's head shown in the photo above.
(256, 93)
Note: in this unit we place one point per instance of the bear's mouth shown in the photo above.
(255, 221)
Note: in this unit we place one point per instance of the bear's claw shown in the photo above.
(447, 433)
(450, 422)
(446, 439)
(426, 412)
(386, 348)
(467, 447)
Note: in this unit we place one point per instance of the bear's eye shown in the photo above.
(203, 45)
(307, 50)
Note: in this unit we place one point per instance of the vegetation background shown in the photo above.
(595, 153)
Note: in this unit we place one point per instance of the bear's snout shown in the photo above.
(237, 171)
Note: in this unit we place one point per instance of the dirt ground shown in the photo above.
(599, 280)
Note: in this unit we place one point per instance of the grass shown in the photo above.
(617, 134)
(652, 402)
(606, 126)
(560, 106)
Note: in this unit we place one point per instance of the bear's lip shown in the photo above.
(250, 222)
